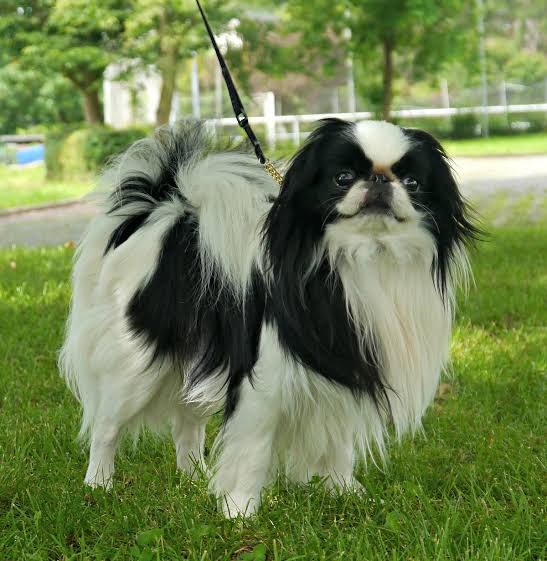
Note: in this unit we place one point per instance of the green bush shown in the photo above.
(72, 155)
(516, 123)
(7, 154)
(54, 142)
(76, 152)
(468, 125)
(440, 127)
(53, 146)
(102, 143)
(534, 122)
(499, 125)
(465, 125)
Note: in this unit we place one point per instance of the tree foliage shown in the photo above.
(50, 46)
(516, 40)
(74, 38)
(165, 33)
(418, 35)
(29, 97)
(78, 39)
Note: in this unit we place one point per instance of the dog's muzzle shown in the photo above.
(378, 197)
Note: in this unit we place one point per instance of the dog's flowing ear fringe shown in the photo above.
(460, 231)
(451, 266)
(457, 227)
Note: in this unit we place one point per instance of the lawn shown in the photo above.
(471, 488)
(498, 145)
(23, 186)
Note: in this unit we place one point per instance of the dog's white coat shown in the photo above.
(289, 418)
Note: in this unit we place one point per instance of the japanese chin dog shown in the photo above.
(316, 316)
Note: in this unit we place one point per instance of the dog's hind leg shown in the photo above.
(120, 402)
(337, 465)
(188, 431)
(104, 440)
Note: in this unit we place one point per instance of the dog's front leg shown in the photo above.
(246, 444)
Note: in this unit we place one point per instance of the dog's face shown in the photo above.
(374, 172)
(370, 178)
(381, 183)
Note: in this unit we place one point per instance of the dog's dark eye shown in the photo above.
(410, 183)
(344, 178)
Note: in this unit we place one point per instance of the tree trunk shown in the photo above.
(92, 106)
(387, 78)
(168, 70)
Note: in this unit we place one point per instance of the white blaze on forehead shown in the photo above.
(383, 143)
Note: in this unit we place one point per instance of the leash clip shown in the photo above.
(242, 119)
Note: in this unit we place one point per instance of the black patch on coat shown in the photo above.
(202, 329)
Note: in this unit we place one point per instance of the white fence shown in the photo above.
(276, 125)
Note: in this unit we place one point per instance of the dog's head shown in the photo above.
(356, 182)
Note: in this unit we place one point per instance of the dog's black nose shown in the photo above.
(379, 178)
(378, 196)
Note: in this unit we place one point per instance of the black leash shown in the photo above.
(237, 105)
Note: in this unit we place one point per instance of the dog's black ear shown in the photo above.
(306, 303)
(298, 212)
(456, 223)
(306, 167)
(290, 223)
(302, 170)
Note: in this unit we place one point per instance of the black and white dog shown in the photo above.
(315, 316)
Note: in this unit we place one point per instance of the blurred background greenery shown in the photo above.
(94, 75)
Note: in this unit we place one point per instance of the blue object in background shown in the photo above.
(34, 153)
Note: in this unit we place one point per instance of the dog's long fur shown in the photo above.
(314, 317)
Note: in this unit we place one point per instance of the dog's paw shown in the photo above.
(195, 470)
(338, 486)
(238, 505)
(95, 483)
(355, 487)
(98, 480)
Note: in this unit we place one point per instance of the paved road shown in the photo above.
(480, 179)
(515, 173)
(52, 226)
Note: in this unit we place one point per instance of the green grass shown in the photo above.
(23, 186)
(472, 489)
(498, 145)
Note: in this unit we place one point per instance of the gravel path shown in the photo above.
(51, 226)
(481, 178)
(520, 174)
